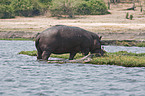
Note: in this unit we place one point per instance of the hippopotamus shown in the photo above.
(61, 39)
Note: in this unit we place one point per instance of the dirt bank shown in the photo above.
(113, 26)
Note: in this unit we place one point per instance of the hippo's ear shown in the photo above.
(100, 37)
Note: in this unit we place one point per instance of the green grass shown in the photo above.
(30, 53)
(34, 53)
(121, 58)
(125, 43)
(140, 44)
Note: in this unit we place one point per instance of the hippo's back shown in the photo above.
(62, 39)
(65, 31)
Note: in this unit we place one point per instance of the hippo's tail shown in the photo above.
(37, 40)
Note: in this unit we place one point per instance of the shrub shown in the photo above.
(64, 7)
(127, 14)
(26, 7)
(11, 8)
(45, 2)
(44, 5)
(79, 7)
(6, 11)
(5, 2)
(131, 17)
(92, 7)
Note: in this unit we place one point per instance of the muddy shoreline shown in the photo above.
(135, 36)
(108, 38)
(17, 34)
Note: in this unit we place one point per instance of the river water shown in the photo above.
(22, 75)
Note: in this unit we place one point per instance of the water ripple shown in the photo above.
(22, 75)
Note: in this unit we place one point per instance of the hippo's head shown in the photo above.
(97, 45)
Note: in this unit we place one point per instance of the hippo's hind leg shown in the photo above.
(45, 55)
(39, 54)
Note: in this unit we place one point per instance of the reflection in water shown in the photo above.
(22, 75)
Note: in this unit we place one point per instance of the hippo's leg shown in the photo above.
(85, 51)
(39, 54)
(72, 55)
(45, 55)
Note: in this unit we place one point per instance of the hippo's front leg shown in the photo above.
(45, 55)
(85, 51)
(72, 55)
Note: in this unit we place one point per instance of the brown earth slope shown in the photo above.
(113, 26)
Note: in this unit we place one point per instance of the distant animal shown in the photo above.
(61, 39)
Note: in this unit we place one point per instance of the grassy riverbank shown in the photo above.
(128, 43)
(121, 58)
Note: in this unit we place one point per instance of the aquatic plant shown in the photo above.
(121, 58)
(30, 53)
(34, 53)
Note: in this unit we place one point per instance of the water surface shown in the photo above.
(22, 75)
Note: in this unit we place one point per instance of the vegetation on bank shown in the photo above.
(65, 56)
(78, 7)
(121, 58)
(128, 43)
(125, 43)
(12, 8)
